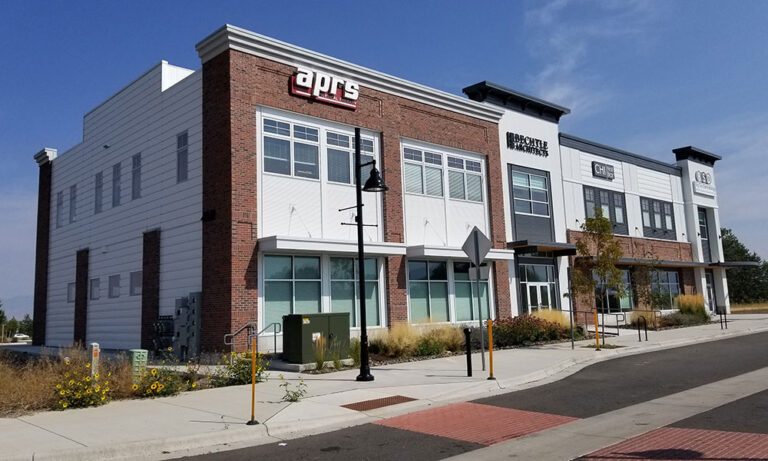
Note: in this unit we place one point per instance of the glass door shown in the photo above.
(704, 235)
(711, 297)
(538, 296)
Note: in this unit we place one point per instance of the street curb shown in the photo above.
(266, 433)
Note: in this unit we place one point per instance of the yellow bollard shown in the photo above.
(490, 347)
(597, 332)
(253, 384)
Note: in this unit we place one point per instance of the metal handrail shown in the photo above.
(251, 327)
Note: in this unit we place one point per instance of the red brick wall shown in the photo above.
(234, 85)
(42, 247)
(81, 296)
(150, 287)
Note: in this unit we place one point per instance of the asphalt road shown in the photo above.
(597, 389)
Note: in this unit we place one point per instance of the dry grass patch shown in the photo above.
(554, 316)
(752, 308)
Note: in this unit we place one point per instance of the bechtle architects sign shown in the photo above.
(527, 144)
(324, 87)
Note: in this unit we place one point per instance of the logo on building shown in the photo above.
(527, 144)
(325, 87)
(603, 170)
(702, 183)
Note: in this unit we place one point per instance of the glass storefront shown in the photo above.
(538, 287)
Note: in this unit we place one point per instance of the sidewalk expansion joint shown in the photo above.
(52, 432)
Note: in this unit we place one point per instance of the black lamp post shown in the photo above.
(373, 184)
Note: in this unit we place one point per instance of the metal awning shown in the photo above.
(662, 263)
(521, 247)
(736, 264)
(277, 244)
(424, 251)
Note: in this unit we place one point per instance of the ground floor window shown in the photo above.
(537, 287)
(291, 286)
(665, 286)
(345, 294)
(440, 291)
(612, 301)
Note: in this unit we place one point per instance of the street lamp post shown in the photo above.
(373, 184)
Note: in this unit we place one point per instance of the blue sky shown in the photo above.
(645, 76)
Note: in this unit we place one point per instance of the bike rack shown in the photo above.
(723, 317)
(645, 326)
(251, 328)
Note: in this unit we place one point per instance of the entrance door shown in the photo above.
(711, 296)
(538, 296)
(704, 235)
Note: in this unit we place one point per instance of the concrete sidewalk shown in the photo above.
(213, 419)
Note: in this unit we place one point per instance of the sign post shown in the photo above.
(476, 247)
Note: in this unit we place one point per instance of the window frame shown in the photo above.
(136, 176)
(94, 289)
(661, 210)
(547, 189)
(71, 292)
(427, 158)
(113, 286)
(72, 203)
(116, 190)
(597, 199)
(372, 278)
(293, 281)
(465, 173)
(554, 285)
(98, 192)
(182, 156)
(656, 282)
(135, 283)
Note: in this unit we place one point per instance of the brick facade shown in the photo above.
(235, 84)
(42, 247)
(648, 249)
(81, 296)
(150, 286)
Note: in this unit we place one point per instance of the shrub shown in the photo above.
(354, 350)
(680, 319)
(526, 329)
(693, 305)
(554, 316)
(237, 369)
(318, 347)
(404, 340)
(428, 345)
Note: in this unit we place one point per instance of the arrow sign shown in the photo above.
(476, 246)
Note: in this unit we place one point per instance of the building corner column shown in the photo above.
(44, 160)
(81, 297)
(150, 287)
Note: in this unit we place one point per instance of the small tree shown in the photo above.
(13, 326)
(597, 253)
(2, 322)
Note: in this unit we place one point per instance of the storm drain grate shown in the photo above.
(366, 405)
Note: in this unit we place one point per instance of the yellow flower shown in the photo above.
(153, 386)
(160, 387)
(154, 371)
(97, 389)
(168, 378)
(149, 391)
(88, 391)
(88, 379)
(109, 374)
(66, 362)
(62, 392)
(170, 348)
(103, 397)
(71, 382)
(282, 377)
(96, 376)
(58, 386)
(87, 365)
(64, 405)
(135, 387)
(194, 385)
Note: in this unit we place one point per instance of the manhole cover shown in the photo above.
(366, 405)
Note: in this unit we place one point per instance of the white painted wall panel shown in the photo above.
(462, 218)
(291, 207)
(139, 119)
(654, 184)
(586, 176)
(425, 221)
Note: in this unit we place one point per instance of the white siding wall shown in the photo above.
(139, 119)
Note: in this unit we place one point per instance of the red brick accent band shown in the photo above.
(81, 296)
(42, 247)
(150, 286)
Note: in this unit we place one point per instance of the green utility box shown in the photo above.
(301, 333)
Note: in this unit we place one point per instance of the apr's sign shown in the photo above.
(324, 87)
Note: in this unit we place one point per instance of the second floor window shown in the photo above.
(658, 218)
(292, 152)
(612, 205)
(136, 177)
(72, 203)
(423, 172)
(98, 193)
(59, 209)
(182, 157)
(116, 185)
(531, 195)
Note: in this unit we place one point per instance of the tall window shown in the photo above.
(114, 286)
(465, 294)
(423, 172)
(136, 177)
(72, 203)
(291, 149)
(537, 287)
(71, 292)
(666, 287)
(116, 185)
(59, 209)
(341, 157)
(531, 195)
(613, 302)
(182, 157)
(98, 193)
(344, 290)
(428, 291)
(464, 179)
(94, 290)
(291, 286)
(612, 205)
(135, 284)
(658, 218)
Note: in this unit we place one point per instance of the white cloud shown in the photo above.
(564, 34)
